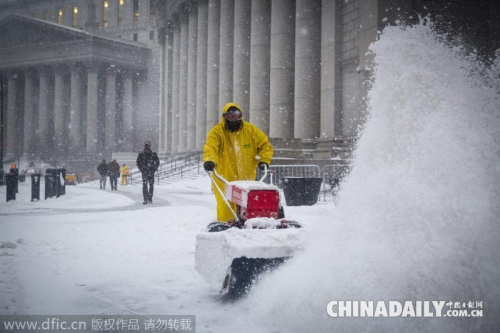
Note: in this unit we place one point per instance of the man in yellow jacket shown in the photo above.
(125, 172)
(234, 148)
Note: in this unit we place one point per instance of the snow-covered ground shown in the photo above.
(418, 219)
(102, 252)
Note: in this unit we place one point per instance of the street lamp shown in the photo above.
(1, 130)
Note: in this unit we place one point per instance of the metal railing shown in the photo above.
(180, 170)
(278, 172)
(332, 175)
(172, 164)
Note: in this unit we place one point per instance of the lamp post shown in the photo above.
(1, 130)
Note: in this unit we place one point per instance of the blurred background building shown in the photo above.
(85, 79)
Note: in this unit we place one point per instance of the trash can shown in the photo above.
(62, 181)
(11, 180)
(301, 191)
(15, 171)
(49, 188)
(55, 181)
(35, 186)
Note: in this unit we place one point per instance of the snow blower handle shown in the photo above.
(266, 172)
(220, 191)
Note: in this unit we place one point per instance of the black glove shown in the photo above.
(263, 166)
(209, 166)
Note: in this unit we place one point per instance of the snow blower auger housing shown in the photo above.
(232, 255)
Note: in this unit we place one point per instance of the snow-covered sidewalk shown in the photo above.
(102, 252)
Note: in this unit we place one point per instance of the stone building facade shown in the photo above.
(80, 78)
(163, 69)
(298, 68)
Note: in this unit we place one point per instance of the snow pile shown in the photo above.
(215, 251)
(418, 217)
(262, 223)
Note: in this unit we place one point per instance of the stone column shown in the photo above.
(330, 67)
(28, 112)
(12, 116)
(307, 69)
(226, 52)
(175, 89)
(110, 111)
(191, 84)
(75, 110)
(260, 64)
(128, 112)
(43, 105)
(282, 68)
(213, 111)
(167, 136)
(241, 74)
(92, 95)
(201, 74)
(59, 123)
(183, 81)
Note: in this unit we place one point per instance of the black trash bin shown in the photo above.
(63, 182)
(49, 182)
(15, 171)
(301, 191)
(55, 181)
(11, 180)
(35, 186)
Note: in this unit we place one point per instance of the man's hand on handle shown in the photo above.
(209, 166)
(263, 166)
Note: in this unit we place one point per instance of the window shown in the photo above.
(152, 11)
(75, 17)
(120, 12)
(59, 16)
(46, 15)
(105, 7)
(136, 11)
(152, 35)
(135, 37)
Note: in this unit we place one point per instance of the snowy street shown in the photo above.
(103, 252)
(415, 221)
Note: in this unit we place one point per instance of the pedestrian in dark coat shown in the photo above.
(148, 163)
(103, 173)
(114, 174)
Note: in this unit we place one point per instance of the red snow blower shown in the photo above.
(257, 240)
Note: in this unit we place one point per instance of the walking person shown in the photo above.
(125, 171)
(103, 173)
(148, 163)
(114, 173)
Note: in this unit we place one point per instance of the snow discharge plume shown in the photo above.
(418, 219)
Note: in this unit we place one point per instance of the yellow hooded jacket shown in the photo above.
(234, 155)
(125, 171)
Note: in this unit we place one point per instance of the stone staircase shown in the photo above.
(176, 168)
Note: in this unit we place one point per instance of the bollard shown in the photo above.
(11, 181)
(2, 174)
(49, 193)
(35, 186)
(63, 183)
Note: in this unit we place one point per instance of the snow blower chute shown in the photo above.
(232, 255)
